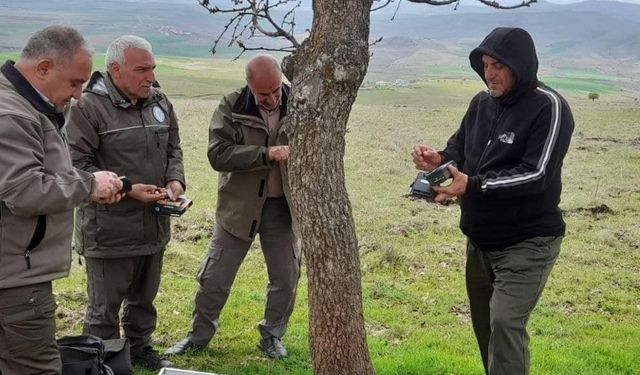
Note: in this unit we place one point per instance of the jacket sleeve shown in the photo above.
(25, 187)
(175, 166)
(226, 152)
(541, 161)
(83, 138)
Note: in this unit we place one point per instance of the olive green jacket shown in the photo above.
(141, 142)
(238, 149)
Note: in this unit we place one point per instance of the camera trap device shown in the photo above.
(423, 185)
(167, 207)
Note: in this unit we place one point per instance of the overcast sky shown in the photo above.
(420, 8)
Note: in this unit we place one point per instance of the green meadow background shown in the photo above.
(412, 252)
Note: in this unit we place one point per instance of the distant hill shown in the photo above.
(588, 34)
(592, 34)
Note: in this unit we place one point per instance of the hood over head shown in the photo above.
(514, 48)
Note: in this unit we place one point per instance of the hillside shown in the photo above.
(420, 43)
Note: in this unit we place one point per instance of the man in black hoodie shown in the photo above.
(509, 151)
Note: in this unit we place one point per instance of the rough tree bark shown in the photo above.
(325, 73)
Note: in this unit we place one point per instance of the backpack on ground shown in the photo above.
(90, 355)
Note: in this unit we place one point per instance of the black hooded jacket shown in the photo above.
(512, 148)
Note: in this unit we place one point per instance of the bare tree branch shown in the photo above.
(375, 42)
(387, 2)
(497, 5)
(244, 48)
(434, 2)
(255, 16)
(491, 3)
(396, 11)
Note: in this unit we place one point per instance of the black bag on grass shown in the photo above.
(117, 356)
(90, 355)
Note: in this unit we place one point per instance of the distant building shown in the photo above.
(401, 83)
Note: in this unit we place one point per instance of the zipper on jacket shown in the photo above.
(494, 126)
(27, 257)
(146, 137)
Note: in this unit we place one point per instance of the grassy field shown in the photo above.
(416, 311)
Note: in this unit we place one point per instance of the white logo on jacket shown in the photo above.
(507, 137)
(158, 113)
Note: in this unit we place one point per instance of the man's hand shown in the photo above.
(107, 188)
(426, 158)
(174, 190)
(279, 153)
(455, 189)
(146, 193)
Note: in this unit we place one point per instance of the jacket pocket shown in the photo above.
(16, 232)
(119, 228)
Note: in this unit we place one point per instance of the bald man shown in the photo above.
(249, 148)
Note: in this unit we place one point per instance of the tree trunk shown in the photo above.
(325, 73)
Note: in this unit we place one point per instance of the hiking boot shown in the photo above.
(184, 346)
(273, 348)
(149, 358)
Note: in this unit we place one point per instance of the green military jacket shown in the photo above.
(238, 149)
(142, 142)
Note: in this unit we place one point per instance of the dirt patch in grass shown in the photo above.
(70, 311)
(568, 307)
(188, 232)
(612, 140)
(597, 211)
(462, 312)
(626, 142)
(405, 229)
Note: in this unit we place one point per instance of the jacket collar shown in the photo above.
(27, 91)
(102, 84)
(246, 103)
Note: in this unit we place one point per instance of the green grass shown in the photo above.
(581, 85)
(412, 253)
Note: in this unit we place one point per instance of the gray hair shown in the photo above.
(261, 58)
(58, 43)
(115, 51)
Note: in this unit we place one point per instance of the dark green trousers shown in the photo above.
(504, 285)
(226, 254)
(131, 283)
(28, 331)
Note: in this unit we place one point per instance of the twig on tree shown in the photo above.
(375, 42)
(387, 2)
(255, 16)
(491, 3)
